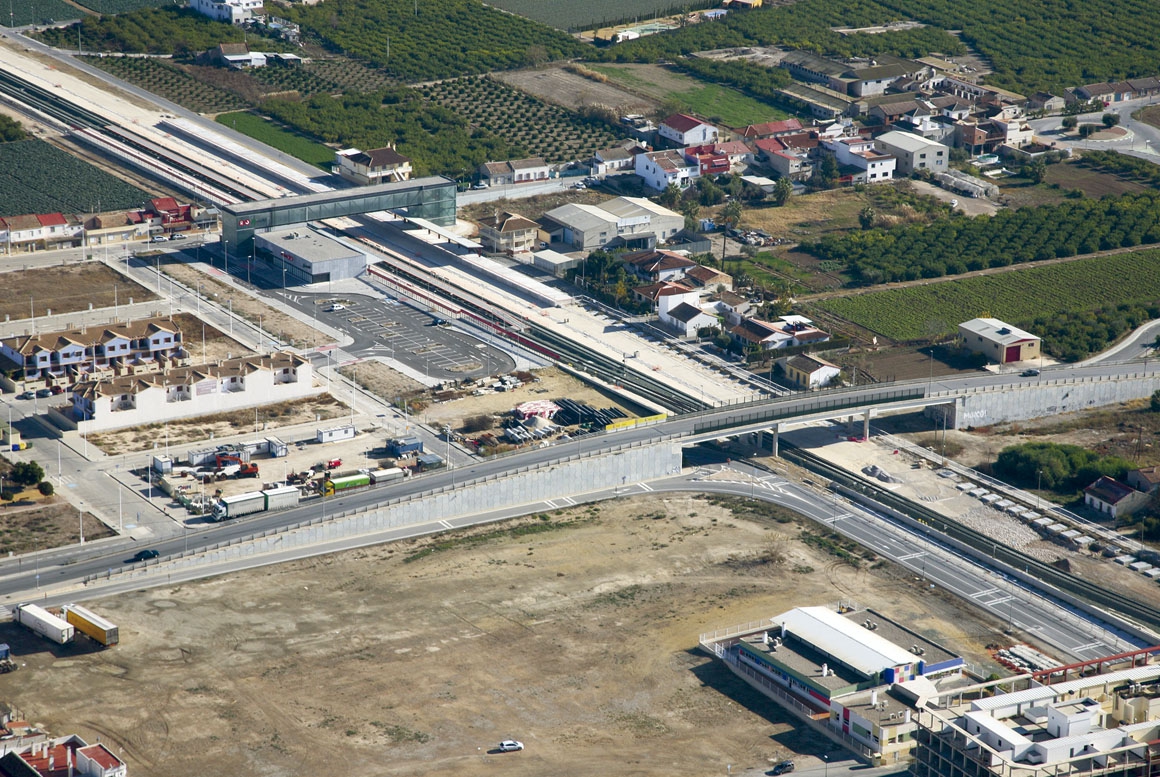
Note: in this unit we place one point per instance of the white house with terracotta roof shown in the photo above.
(187, 392)
(368, 168)
(657, 266)
(231, 11)
(68, 756)
(40, 230)
(508, 233)
(658, 169)
(771, 129)
(514, 171)
(1111, 497)
(64, 356)
(666, 295)
(683, 130)
(786, 332)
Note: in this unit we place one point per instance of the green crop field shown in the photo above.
(18, 14)
(713, 101)
(38, 178)
(1015, 296)
(570, 15)
(433, 39)
(271, 134)
(121, 6)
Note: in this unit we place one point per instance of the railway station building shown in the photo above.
(305, 255)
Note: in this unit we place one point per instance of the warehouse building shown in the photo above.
(306, 255)
(998, 341)
(854, 673)
(634, 223)
(1105, 721)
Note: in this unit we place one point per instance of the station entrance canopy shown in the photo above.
(431, 198)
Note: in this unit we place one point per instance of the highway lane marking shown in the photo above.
(1000, 600)
(1088, 646)
(910, 556)
(550, 503)
(568, 500)
(645, 486)
(446, 525)
(984, 592)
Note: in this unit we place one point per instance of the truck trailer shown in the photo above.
(44, 623)
(255, 502)
(380, 476)
(346, 483)
(90, 624)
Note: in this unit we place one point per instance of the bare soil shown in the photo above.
(532, 207)
(32, 522)
(576, 635)
(66, 289)
(381, 380)
(573, 91)
(286, 328)
(268, 417)
(205, 342)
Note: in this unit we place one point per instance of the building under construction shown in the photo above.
(1100, 717)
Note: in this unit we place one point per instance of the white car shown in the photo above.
(159, 239)
(510, 746)
(334, 308)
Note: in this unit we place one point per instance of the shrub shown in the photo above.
(45, 488)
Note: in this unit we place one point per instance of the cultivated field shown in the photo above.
(36, 177)
(66, 289)
(557, 85)
(170, 81)
(573, 16)
(575, 634)
(267, 131)
(539, 128)
(1084, 284)
(715, 102)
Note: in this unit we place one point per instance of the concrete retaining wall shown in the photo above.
(1042, 398)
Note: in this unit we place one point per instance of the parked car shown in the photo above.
(785, 767)
(334, 308)
(57, 390)
(44, 393)
(144, 555)
(480, 185)
(510, 746)
(159, 239)
(26, 395)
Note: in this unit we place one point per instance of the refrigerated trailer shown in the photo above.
(43, 623)
(90, 624)
(255, 502)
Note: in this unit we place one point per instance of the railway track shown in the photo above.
(168, 166)
(1076, 586)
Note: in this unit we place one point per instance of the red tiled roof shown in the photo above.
(101, 756)
(51, 219)
(163, 204)
(380, 157)
(682, 122)
(1109, 491)
(771, 128)
(769, 145)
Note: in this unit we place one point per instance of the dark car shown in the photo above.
(1030, 373)
(785, 767)
(144, 555)
(57, 390)
(44, 393)
(26, 395)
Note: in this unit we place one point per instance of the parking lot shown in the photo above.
(388, 328)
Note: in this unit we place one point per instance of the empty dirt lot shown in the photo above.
(576, 634)
(66, 289)
(573, 91)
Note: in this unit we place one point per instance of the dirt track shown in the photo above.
(579, 640)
